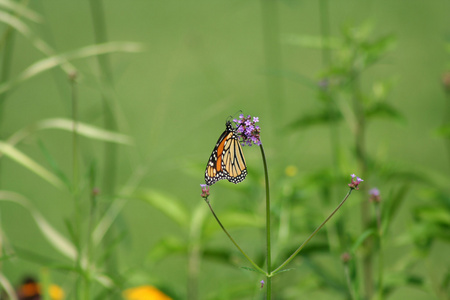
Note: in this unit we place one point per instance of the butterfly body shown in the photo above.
(227, 159)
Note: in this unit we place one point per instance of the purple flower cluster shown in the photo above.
(247, 130)
(355, 182)
(205, 191)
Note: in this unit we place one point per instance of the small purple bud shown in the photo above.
(205, 191)
(262, 283)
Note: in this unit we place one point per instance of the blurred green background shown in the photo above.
(202, 61)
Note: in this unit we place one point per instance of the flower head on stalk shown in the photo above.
(205, 191)
(355, 182)
(346, 257)
(262, 283)
(374, 195)
(247, 130)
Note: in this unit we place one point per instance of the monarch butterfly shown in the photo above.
(227, 159)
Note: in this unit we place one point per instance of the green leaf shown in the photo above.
(167, 246)
(242, 219)
(7, 287)
(249, 269)
(6, 257)
(392, 205)
(21, 10)
(315, 42)
(54, 165)
(373, 51)
(27, 162)
(83, 129)
(383, 109)
(318, 118)
(168, 205)
(284, 270)
(35, 40)
(58, 241)
(394, 281)
(61, 59)
(363, 236)
(433, 215)
(107, 220)
(221, 255)
(443, 131)
(325, 275)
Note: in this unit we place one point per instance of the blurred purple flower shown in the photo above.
(374, 195)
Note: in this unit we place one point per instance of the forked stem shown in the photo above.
(312, 235)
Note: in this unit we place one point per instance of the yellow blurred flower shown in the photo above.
(145, 292)
(290, 171)
(56, 292)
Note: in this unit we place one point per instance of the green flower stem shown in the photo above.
(380, 252)
(268, 250)
(361, 154)
(75, 183)
(110, 149)
(234, 242)
(312, 235)
(348, 280)
(74, 136)
(106, 77)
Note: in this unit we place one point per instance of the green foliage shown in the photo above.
(68, 186)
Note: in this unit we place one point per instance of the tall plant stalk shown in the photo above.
(268, 227)
(110, 149)
(360, 152)
(100, 36)
(75, 186)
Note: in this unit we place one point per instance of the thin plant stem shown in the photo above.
(195, 251)
(92, 217)
(100, 36)
(268, 226)
(75, 189)
(234, 242)
(446, 119)
(193, 270)
(380, 252)
(362, 166)
(75, 171)
(110, 149)
(349, 281)
(311, 236)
